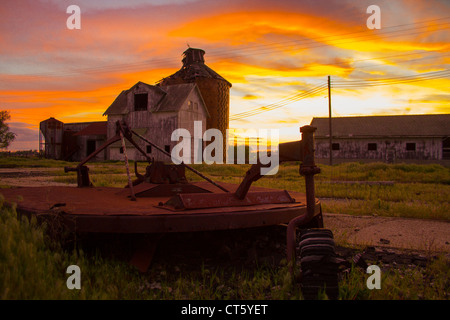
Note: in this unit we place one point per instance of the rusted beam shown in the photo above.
(127, 167)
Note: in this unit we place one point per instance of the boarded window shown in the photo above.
(372, 146)
(140, 101)
(335, 146)
(149, 149)
(410, 146)
(446, 148)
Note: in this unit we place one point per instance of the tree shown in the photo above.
(6, 137)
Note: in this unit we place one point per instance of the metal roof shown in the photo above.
(94, 129)
(193, 67)
(428, 125)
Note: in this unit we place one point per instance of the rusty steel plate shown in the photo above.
(111, 210)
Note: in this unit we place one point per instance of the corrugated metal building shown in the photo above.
(405, 138)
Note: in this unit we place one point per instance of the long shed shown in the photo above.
(402, 138)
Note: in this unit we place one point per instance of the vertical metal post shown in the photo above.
(130, 183)
(329, 121)
(308, 169)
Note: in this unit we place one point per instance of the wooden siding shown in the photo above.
(387, 149)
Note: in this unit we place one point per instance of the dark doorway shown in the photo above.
(90, 147)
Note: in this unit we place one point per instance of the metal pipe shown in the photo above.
(307, 169)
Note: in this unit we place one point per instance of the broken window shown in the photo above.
(335, 146)
(372, 147)
(411, 146)
(140, 101)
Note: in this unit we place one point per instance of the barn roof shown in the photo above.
(119, 105)
(176, 95)
(429, 125)
(173, 98)
(93, 129)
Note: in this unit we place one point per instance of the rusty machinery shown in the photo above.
(317, 254)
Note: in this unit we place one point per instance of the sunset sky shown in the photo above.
(272, 51)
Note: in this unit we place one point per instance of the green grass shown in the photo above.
(413, 191)
(33, 267)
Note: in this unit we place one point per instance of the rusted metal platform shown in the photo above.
(109, 210)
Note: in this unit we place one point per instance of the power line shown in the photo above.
(393, 80)
(342, 84)
(288, 100)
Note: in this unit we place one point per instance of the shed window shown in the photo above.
(140, 101)
(372, 146)
(167, 148)
(410, 146)
(446, 148)
(121, 150)
(335, 146)
(149, 149)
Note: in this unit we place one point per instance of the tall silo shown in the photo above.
(52, 131)
(215, 90)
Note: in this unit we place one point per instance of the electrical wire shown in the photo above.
(393, 80)
(289, 100)
(342, 84)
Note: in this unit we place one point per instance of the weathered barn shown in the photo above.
(71, 141)
(405, 138)
(194, 93)
(155, 112)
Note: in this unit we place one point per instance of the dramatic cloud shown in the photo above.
(267, 49)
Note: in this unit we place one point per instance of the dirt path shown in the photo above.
(402, 233)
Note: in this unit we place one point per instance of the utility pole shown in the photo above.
(329, 121)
